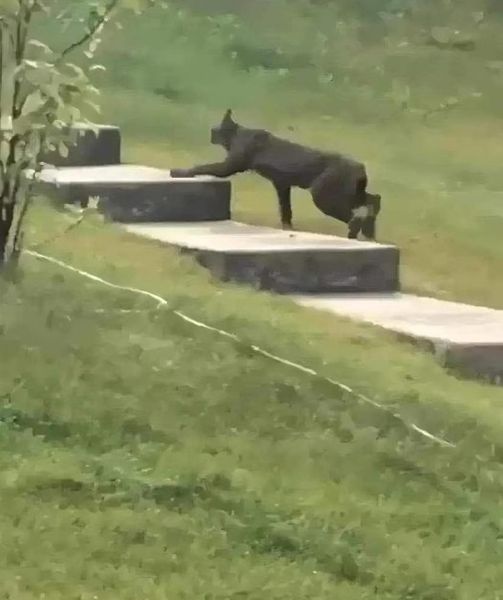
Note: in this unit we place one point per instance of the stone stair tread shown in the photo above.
(420, 316)
(233, 236)
(136, 193)
(110, 175)
(281, 261)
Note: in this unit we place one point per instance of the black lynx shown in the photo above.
(338, 184)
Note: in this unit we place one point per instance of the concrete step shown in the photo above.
(133, 193)
(463, 337)
(93, 147)
(280, 261)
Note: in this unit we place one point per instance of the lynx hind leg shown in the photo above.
(359, 216)
(369, 228)
(369, 222)
(330, 197)
(364, 211)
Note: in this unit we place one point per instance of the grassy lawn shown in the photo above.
(143, 457)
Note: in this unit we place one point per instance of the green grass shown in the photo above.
(143, 457)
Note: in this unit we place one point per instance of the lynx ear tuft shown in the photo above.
(228, 116)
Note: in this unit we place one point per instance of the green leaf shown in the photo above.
(40, 46)
(63, 150)
(33, 103)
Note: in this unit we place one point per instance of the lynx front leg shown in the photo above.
(285, 206)
(222, 170)
(233, 164)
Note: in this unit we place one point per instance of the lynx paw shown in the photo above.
(179, 173)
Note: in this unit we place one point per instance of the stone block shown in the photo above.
(130, 193)
(92, 148)
(464, 338)
(283, 262)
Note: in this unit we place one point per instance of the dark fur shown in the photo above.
(338, 184)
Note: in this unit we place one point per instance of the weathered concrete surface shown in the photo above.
(281, 261)
(92, 148)
(131, 193)
(467, 338)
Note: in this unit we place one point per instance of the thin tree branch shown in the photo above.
(17, 241)
(73, 225)
(23, 26)
(88, 36)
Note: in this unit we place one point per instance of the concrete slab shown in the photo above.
(464, 337)
(281, 261)
(134, 193)
(92, 148)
